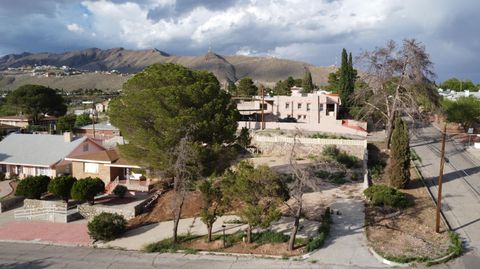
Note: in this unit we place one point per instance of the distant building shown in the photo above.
(317, 111)
(102, 106)
(454, 95)
(103, 131)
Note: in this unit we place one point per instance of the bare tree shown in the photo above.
(301, 180)
(185, 170)
(396, 78)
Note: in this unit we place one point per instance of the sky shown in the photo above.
(312, 31)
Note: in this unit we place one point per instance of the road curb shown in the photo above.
(383, 260)
(47, 243)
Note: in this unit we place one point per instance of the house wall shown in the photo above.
(21, 124)
(80, 150)
(25, 171)
(104, 174)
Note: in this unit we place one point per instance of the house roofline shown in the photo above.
(24, 164)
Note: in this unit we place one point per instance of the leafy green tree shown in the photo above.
(244, 137)
(87, 189)
(458, 85)
(32, 187)
(465, 110)
(332, 82)
(66, 123)
(259, 192)
(167, 102)
(82, 120)
(307, 83)
(246, 87)
(62, 186)
(399, 162)
(34, 100)
(231, 88)
(212, 204)
(282, 88)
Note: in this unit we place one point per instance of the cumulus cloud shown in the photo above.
(311, 31)
(73, 27)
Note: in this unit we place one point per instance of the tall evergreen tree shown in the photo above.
(307, 84)
(346, 81)
(399, 163)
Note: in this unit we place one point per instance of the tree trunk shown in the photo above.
(296, 224)
(390, 123)
(209, 228)
(249, 234)
(178, 212)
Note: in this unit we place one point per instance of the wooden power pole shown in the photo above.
(440, 178)
(263, 103)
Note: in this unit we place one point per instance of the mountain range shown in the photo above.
(267, 70)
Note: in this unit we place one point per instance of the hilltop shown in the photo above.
(266, 70)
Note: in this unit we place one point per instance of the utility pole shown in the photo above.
(440, 178)
(263, 102)
(94, 111)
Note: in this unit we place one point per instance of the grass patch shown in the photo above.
(335, 178)
(456, 246)
(414, 156)
(327, 136)
(332, 152)
(167, 245)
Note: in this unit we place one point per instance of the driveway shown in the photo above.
(45, 232)
(347, 244)
(5, 188)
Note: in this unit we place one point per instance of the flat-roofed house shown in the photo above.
(25, 155)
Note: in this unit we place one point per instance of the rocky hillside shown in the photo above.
(266, 70)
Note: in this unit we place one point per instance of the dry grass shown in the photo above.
(412, 232)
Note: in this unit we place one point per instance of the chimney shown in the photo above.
(67, 137)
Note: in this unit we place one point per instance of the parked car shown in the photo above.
(287, 119)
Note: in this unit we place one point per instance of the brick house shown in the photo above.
(25, 155)
(110, 167)
(101, 130)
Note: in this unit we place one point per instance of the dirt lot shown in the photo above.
(279, 249)
(162, 210)
(412, 232)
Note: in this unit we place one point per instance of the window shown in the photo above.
(85, 147)
(299, 116)
(287, 105)
(43, 171)
(299, 105)
(304, 116)
(320, 107)
(308, 107)
(90, 168)
(264, 106)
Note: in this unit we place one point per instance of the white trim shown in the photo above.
(86, 161)
(123, 165)
(23, 164)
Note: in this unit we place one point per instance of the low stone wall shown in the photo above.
(10, 203)
(90, 211)
(281, 145)
(54, 211)
(40, 204)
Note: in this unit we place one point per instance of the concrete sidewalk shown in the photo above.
(137, 238)
(347, 243)
(5, 188)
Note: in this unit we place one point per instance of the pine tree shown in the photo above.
(399, 163)
(346, 81)
(307, 84)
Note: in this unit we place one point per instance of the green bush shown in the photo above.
(167, 245)
(348, 160)
(62, 186)
(120, 191)
(106, 226)
(32, 187)
(382, 195)
(330, 151)
(2, 176)
(87, 189)
(322, 174)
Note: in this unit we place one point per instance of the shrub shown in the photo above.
(120, 191)
(33, 187)
(62, 186)
(2, 176)
(331, 151)
(269, 237)
(322, 174)
(348, 160)
(382, 195)
(87, 188)
(455, 244)
(106, 226)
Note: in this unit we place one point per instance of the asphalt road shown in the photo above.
(461, 183)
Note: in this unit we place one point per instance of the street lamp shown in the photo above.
(223, 226)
